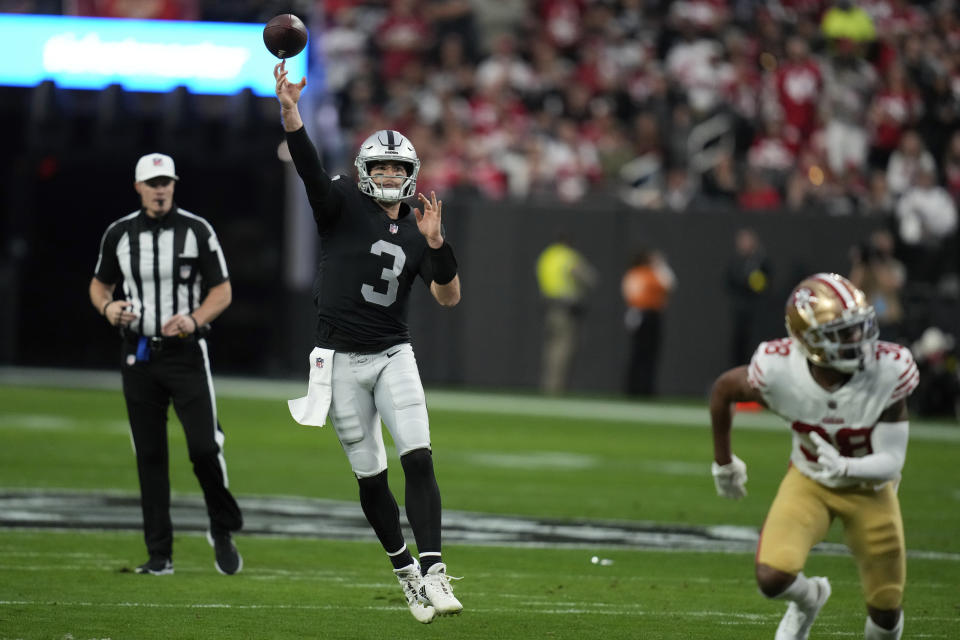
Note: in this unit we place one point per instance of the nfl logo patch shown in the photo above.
(319, 363)
(184, 271)
(157, 162)
(394, 228)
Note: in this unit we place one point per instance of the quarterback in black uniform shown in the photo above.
(372, 248)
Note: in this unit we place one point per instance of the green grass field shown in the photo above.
(525, 456)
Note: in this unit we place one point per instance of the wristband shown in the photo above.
(196, 327)
(103, 311)
(443, 263)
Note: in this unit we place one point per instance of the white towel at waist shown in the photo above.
(311, 410)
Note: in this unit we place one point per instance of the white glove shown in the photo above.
(731, 478)
(832, 464)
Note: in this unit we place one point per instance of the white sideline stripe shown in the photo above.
(578, 609)
(594, 410)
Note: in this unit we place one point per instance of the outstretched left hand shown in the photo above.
(832, 464)
(429, 221)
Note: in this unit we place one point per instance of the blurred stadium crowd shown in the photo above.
(852, 107)
(782, 105)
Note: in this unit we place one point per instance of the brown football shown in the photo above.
(285, 35)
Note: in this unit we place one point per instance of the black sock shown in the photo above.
(428, 561)
(383, 514)
(401, 560)
(423, 504)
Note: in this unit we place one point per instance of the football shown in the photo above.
(285, 35)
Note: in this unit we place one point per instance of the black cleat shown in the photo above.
(228, 560)
(157, 566)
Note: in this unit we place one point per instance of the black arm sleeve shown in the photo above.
(443, 263)
(318, 184)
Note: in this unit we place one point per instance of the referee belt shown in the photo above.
(158, 343)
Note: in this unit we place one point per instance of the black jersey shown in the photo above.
(367, 263)
(165, 264)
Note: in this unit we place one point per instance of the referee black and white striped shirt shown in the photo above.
(165, 263)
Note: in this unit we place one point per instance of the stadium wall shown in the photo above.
(493, 338)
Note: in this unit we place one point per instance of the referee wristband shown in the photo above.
(196, 327)
(103, 311)
(443, 263)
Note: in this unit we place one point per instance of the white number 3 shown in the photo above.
(392, 275)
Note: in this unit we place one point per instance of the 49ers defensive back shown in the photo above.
(843, 395)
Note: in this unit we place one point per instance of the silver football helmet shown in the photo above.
(392, 146)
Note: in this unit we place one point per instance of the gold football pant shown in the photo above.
(801, 515)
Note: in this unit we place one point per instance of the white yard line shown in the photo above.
(578, 608)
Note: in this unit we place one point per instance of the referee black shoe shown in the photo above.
(228, 560)
(156, 566)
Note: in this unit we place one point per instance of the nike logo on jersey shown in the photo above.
(390, 355)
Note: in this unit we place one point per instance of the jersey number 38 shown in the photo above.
(850, 442)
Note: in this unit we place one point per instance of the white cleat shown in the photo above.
(797, 621)
(409, 579)
(435, 589)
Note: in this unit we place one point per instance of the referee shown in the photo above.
(167, 258)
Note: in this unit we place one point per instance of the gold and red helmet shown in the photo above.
(831, 322)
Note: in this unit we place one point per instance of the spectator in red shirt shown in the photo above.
(771, 153)
(758, 194)
(402, 37)
(562, 18)
(799, 83)
(897, 106)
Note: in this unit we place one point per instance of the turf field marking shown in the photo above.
(563, 608)
(534, 460)
(36, 421)
(332, 519)
(724, 617)
(58, 422)
(584, 409)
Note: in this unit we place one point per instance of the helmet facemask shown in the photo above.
(372, 186)
(843, 344)
(392, 147)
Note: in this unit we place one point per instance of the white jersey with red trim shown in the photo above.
(845, 417)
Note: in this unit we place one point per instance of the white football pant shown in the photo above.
(373, 386)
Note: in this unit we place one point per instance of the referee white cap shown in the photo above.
(153, 165)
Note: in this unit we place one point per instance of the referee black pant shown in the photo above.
(179, 370)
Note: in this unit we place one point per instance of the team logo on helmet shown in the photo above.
(803, 297)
